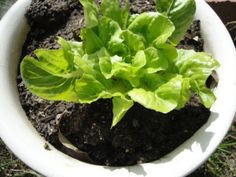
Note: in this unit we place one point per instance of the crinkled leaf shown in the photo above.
(185, 93)
(133, 41)
(91, 41)
(169, 54)
(155, 61)
(71, 49)
(100, 36)
(108, 29)
(90, 13)
(153, 26)
(139, 60)
(180, 12)
(105, 63)
(206, 95)
(198, 67)
(51, 76)
(88, 89)
(153, 81)
(114, 66)
(113, 10)
(164, 99)
(127, 72)
(120, 106)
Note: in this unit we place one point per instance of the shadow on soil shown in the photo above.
(202, 140)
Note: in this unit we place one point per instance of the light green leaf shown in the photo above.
(150, 101)
(91, 40)
(180, 12)
(155, 61)
(51, 77)
(113, 10)
(184, 93)
(71, 49)
(169, 54)
(153, 26)
(114, 66)
(120, 106)
(75, 47)
(108, 29)
(171, 91)
(195, 65)
(126, 71)
(90, 13)
(88, 89)
(133, 41)
(139, 60)
(153, 81)
(164, 99)
(206, 95)
(105, 63)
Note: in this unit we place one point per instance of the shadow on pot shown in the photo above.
(201, 139)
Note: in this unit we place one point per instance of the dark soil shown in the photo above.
(142, 136)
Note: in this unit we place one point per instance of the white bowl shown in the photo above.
(20, 136)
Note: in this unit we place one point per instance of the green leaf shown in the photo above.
(120, 106)
(155, 62)
(180, 12)
(197, 67)
(91, 40)
(108, 30)
(139, 60)
(168, 53)
(100, 36)
(207, 97)
(113, 10)
(153, 81)
(164, 99)
(184, 93)
(51, 77)
(164, 6)
(133, 41)
(126, 71)
(105, 63)
(75, 47)
(153, 26)
(90, 13)
(88, 89)
(71, 49)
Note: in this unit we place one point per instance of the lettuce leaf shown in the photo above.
(120, 106)
(114, 11)
(198, 67)
(180, 12)
(164, 99)
(153, 26)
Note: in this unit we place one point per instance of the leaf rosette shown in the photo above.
(126, 58)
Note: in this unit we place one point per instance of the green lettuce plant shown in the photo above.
(124, 57)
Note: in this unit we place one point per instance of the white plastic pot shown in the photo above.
(20, 136)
